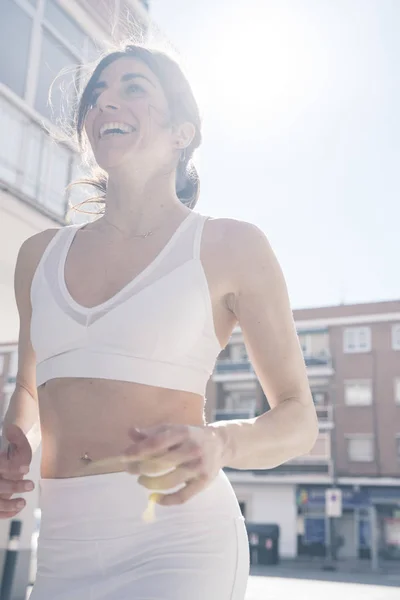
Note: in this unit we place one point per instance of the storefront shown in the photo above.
(352, 531)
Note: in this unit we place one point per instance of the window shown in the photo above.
(56, 79)
(70, 30)
(319, 398)
(360, 448)
(397, 390)
(358, 393)
(4, 402)
(12, 368)
(357, 339)
(396, 336)
(241, 401)
(322, 447)
(15, 41)
(239, 353)
(305, 343)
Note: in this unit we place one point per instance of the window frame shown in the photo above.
(397, 438)
(358, 382)
(357, 349)
(397, 390)
(39, 24)
(396, 337)
(351, 437)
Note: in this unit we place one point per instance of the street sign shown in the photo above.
(333, 502)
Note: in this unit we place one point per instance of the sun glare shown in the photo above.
(263, 68)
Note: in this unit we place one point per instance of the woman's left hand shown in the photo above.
(193, 457)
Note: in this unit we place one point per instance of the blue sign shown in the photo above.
(314, 497)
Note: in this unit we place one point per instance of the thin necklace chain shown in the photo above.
(135, 235)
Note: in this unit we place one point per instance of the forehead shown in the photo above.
(114, 72)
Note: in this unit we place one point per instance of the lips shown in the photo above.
(115, 128)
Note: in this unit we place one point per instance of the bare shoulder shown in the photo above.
(241, 246)
(29, 257)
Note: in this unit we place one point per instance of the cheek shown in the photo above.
(149, 114)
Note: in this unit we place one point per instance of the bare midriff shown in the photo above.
(93, 417)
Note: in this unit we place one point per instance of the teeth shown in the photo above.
(124, 127)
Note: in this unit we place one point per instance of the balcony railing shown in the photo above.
(292, 468)
(32, 164)
(230, 366)
(227, 366)
(325, 414)
(319, 360)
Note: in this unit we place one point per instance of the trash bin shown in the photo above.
(264, 543)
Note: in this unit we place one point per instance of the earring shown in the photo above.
(183, 156)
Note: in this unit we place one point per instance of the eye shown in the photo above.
(135, 88)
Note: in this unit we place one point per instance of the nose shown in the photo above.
(107, 101)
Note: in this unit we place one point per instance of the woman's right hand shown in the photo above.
(15, 460)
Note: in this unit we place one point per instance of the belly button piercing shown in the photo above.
(86, 458)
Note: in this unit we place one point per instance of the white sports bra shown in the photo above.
(157, 330)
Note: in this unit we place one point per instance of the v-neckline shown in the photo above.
(98, 307)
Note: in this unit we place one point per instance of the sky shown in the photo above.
(300, 102)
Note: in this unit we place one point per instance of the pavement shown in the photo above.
(286, 588)
(309, 580)
(351, 571)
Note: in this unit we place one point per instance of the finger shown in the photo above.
(14, 505)
(192, 488)
(184, 453)
(20, 451)
(15, 487)
(158, 442)
(167, 481)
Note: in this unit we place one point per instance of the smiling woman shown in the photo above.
(122, 320)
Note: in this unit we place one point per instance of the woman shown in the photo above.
(121, 322)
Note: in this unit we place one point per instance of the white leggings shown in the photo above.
(95, 545)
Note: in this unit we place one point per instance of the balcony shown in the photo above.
(325, 417)
(317, 466)
(230, 370)
(319, 365)
(33, 166)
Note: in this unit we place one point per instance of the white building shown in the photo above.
(39, 39)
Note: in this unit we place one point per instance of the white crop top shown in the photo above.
(158, 330)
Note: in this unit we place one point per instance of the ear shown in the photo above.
(184, 134)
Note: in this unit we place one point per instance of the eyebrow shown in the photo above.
(126, 77)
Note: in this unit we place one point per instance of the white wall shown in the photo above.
(274, 504)
(18, 221)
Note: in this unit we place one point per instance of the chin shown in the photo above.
(112, 159)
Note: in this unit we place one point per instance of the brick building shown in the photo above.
(352, 354)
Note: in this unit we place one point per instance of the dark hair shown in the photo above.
(182, 105)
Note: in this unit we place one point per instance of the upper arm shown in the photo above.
(261, 304)
(28, 258)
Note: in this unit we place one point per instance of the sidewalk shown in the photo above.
(350, 571)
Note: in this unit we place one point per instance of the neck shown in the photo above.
(134, 204)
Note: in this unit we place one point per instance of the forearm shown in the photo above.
(23, 411)
(279, 435)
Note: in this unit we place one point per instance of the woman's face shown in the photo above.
(129, 117)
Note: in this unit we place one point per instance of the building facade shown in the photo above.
(44, 47)
(352, 354)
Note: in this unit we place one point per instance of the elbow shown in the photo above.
(310, 430)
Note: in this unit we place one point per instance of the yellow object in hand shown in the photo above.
(149, 514)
